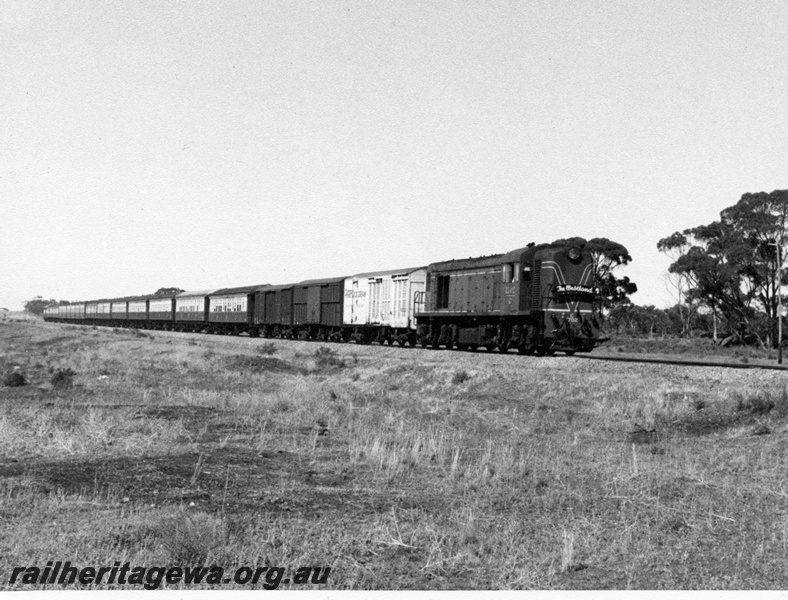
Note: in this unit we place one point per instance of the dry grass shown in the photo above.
(398, 468)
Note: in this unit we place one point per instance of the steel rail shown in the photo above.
(683, 363)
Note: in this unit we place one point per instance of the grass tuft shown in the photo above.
(192, 537)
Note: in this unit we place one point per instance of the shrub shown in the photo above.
(460, 377)
(781, 403)
(242, 362)
(62, 379)
(757, 404)
(267, 349)
(15, 379)
(326, 358)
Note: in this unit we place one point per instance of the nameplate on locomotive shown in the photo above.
(573, 289)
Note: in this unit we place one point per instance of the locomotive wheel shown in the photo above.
(569, 352)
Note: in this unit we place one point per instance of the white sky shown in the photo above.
(151, 144)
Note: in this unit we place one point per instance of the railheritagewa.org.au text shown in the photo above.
(151, 578)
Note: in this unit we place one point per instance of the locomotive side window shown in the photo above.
(510, 272)
(442, 291)
(527, 274)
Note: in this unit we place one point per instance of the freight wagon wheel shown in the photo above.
(462, 347)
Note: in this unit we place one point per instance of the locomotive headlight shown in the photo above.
(574, 253)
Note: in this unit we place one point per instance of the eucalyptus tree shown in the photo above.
(731, 264)
(607, 256)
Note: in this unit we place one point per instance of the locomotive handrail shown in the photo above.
(418, 300)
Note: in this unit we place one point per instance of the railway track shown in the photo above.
(683, 363)
(668, 361)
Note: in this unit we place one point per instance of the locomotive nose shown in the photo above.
(575, 331)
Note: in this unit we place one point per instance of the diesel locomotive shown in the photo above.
(537, 300)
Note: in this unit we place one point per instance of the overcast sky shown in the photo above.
(216, 144)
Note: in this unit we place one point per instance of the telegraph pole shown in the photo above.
(779, 303)
(778, 290)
